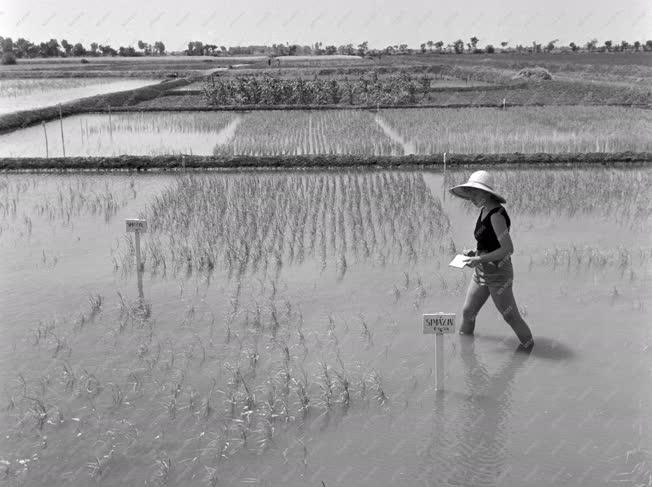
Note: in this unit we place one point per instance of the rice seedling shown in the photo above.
(223, 212)
(344, 385)
(366, 333)
(573, 192)
(162, 469)
(523, 129)
(301, 132)
(117, 395)
(397, 293)
(99, 465)
(377, 388)
(68, 376)
(326, 386)
(95, 302)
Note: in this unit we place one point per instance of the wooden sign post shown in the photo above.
(439, 324)
(136, 225)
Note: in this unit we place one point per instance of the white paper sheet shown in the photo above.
(458, 261)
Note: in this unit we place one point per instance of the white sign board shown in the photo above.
(439, 323)
(136, 225)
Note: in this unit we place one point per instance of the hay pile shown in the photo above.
(536, 74)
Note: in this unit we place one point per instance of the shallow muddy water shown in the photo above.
(27, 94)
(123, 133)
(264, 292)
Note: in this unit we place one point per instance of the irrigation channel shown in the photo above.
(277, 335)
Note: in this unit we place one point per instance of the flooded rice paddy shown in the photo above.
(357, 132)
(27, 94)
(274, 336)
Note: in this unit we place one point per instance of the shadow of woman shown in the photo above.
(484, 415)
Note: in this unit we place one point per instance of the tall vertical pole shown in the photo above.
(444, 196)
(45, 133)
(63, 143)
(139, 267)
(137, 226)
(110, 125)
(439, 361)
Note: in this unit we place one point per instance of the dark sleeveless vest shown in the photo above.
(484, 231)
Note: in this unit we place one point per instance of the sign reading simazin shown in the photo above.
(439, 323)
(136, 225)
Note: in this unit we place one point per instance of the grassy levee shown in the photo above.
(95, 103)
(173, 162)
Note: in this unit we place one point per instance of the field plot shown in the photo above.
(25, 94)
(523, 129)
(157, 67)
(276, 331)
(123, 133)
(357, 132)
(309, 132)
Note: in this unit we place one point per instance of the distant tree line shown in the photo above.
(23, 48)
(471, 47)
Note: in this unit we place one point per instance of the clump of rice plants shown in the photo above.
(524, 129)
(618, 193)
(281, 133)
(258, 224)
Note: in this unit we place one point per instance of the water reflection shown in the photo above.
(483, 420)
(141, 294)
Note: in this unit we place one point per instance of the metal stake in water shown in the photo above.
(110, 125)
(444, 196)
(63, 143)
(138, 260)
(45, 133)
(439, 324)
(439, 361)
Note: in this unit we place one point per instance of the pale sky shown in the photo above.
(380, 22)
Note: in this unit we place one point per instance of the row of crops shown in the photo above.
(398, 89)
(258, 223)
(391, 132)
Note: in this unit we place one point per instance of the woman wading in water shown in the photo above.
(493, 274)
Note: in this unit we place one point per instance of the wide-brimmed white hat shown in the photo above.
(479, 180)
